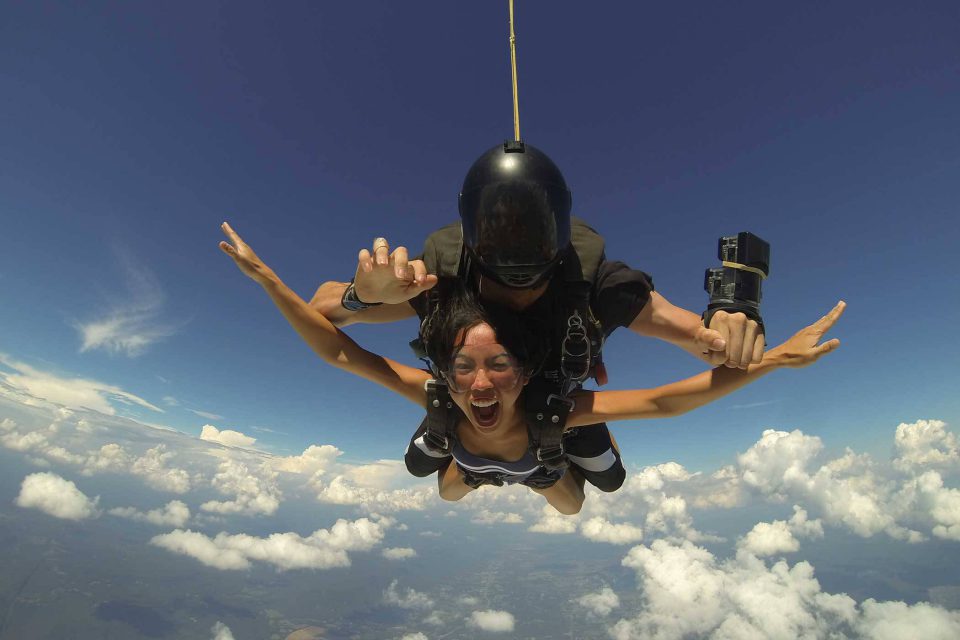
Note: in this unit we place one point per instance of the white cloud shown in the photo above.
(341, 490)
(778, 461)
(898, 620)
(221, 631)
(777, 537)
(55, 496)
(601, 530)
(173, 514)
(485, 516)
(152, 466)
(769, 538)
(601, 603)
(926, 495)
(415, 636)
(213, 553)
(654, 494)
(554, 523)
(925, 443)
(687, 592)
(381, 474)
(322, 549)
(315, 460)
(111, 457)
(408, 599)
(399, 553)
(253, 493)
(435, 618)
(130, 326)
(226, 437)
(76, 393)
(849, 490)
(492, 621)
(205, 414)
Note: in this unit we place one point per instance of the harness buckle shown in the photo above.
(435, 442)
(570, 403)
(575, 350)
(548, 454)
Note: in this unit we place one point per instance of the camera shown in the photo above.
(735, 286)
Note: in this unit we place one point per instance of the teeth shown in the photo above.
(483, 403)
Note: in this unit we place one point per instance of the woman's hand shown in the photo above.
(245, 258)
(802, 349)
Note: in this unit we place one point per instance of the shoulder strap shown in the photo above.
(548, 405)
(590, 248)
(441, 420)
(443, 249)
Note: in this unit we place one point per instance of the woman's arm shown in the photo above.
(326, 340)
(450, 482)
(679, 397)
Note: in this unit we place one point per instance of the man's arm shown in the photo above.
(327, 301)
(803, 349)
(387, 280)
(733, 339)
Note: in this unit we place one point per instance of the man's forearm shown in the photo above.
(327, 300)
(665, 321)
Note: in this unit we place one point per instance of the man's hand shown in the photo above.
(733, 340)
(390, 278)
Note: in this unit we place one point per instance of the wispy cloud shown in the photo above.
(205, 414)
(130, 325)
(75, 393)
(171, 401)
(753, 405)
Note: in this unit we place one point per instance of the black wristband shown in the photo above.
(351, 302)
(747, 310)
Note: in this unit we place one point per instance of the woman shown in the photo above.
(486, 373)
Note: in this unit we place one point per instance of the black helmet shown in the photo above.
(515, 214)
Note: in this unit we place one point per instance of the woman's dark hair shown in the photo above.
(455, 309)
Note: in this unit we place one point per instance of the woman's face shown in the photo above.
(485, 380)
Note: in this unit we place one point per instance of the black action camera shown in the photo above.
(735, 286)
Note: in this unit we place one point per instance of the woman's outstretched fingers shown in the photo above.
(230, 233)
(832, 316)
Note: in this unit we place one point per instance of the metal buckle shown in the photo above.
(433, 442)
(569, 402)
(554, 453)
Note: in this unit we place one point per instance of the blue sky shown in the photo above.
(130, 131)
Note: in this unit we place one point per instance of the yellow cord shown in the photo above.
(743, 267)
(513, 65)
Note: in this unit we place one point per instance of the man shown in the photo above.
(518, 247)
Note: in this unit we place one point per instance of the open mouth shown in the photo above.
(486, 411)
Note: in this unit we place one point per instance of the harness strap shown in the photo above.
(546, 414)
(441, 420)
(548, 405)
